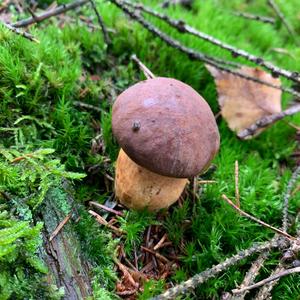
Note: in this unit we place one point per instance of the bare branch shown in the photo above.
(101, 23)
(148, 74)
(269, 279)
(267, 120)
(209, 273)
(60, 226)
(266, 289)
(22, 33)
(243, 213)
(102, 221)
(263, 19)
(182, 27)
(48, 14)
(287, 196)
(196, 55)
(251, 274)
(282, 19)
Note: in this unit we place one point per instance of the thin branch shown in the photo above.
(48, 14)
(282, 19)
(265, 291)
(216, 62)
(209, 273)
(184, 28)
(269, 279)
(252, 273)
(267, 120)
(19, 32)
(60, 226)
(88, 106)
(101, 23)
(243, 213)
(148, 74)
(287, 196)
(167, 39)
(102, 221)
(248, 16)
(104, 207)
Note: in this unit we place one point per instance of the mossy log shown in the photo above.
(68, 269)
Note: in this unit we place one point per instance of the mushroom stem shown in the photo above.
(138, 188)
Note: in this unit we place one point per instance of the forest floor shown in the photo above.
(55, 127)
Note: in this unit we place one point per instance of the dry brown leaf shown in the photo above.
(243, 101)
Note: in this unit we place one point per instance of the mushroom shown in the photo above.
(167, 133)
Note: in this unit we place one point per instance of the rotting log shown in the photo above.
(68, 269)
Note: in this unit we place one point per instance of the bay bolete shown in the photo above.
(167, 133)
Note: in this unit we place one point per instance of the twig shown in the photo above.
(48, 14)
(159, 256)
(148, 74)
(282, 18)
(255, 17)
(102, 221)
(182, 27)
(60, 226)
(22, 33)
(287, 196)
(88, 106)
(206, 181)
(266, 289)
(215, 270)
(125, 272)
(98, 205)
(101, 23)
(237, 192)
(267, 120)
(251, 274)
(243, 213)
(161, 241)
(172, 42)
(196, 55)
(269, 279)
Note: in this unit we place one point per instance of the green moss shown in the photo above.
(39, 84)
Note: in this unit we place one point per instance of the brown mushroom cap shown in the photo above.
(166, 127)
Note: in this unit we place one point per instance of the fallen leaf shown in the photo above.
(243, 101)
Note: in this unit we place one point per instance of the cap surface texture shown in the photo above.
(165, 126)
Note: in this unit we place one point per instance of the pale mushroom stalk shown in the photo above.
(167, 133)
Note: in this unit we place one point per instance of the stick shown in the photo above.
(196, 55)
(59, 227)
(22, 33)
(182, 27)
(98, 205)
(215, 270)
(267, 120)
(269, 279)
(159, 256)
(282, 18)
(48, 14)
(102, 221)
(255, 17)
(88, 106)
(265, 290)
(287, 196)
(243, 213)
(251, 274)
(174, 43)
(237, 192)
(101, 23)
(148, 74)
